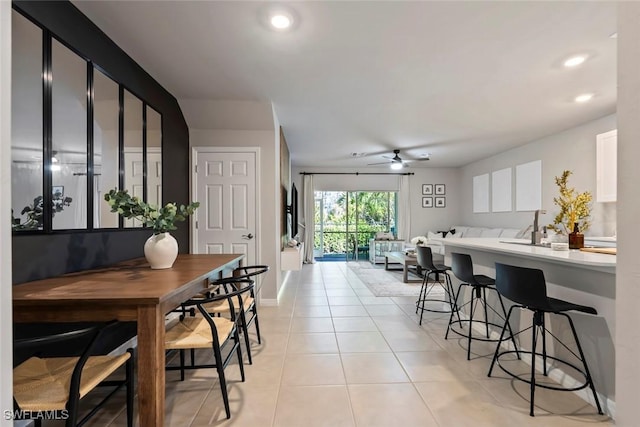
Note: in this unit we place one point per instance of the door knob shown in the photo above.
(247, 236)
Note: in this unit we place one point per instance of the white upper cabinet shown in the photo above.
(606, 166)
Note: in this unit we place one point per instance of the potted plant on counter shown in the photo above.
(574, 217)
(161, 249)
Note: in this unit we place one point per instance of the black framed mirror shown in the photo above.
(77, 133)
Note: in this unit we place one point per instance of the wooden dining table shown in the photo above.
(127, 291)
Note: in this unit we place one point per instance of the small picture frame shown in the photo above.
(57, 191)
(427, 189)
(440, 190)
(427, 202)
(441, 202)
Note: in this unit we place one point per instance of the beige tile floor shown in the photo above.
(333, 354)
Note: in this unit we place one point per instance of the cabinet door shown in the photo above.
(606, 166)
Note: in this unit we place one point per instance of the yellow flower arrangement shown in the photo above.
(575, 208)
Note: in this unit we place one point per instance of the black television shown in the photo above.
(292, 209)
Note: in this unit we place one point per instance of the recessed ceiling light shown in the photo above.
(280, 21)
(574, 61)
(584, 97)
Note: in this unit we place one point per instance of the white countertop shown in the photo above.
(498, 245)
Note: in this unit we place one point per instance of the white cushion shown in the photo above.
(460, 229)
(509, 232)
(491, 232)
(431, 235)
(474, 232)
(453, 236)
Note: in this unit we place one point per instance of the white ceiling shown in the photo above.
(459, 80)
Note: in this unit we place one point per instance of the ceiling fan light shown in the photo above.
(396, 165)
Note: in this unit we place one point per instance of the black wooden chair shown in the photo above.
(52, 387)
(249, 313)
(205, 330)
(527, 288)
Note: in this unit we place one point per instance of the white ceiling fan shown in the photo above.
(397, 162)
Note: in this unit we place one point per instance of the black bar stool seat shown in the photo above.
(527, 288)
(462, 268)
(429, 268)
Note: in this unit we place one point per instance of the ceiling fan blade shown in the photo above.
(381, 163)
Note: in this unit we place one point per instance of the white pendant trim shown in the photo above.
(161, 250)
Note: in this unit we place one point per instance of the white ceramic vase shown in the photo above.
(161, 250)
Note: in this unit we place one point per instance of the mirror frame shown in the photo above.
(47, 186)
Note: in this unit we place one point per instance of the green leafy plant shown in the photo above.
(35, 212)
(575, 208)
(161, 219)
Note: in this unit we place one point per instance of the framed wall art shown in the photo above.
(440, 189)
(427, 202)
(441, 202)
(427, 189)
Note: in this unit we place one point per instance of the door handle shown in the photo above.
(247, 236)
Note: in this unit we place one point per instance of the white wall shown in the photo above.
(573, 149)
(269, 218)
(6, 357)
(628, 268)
(422, 219)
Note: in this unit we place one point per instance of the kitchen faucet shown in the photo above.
(536, 236)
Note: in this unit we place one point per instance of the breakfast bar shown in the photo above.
(128, 291)
(582, 277)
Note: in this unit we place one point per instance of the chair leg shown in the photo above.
(473, 292)
(504, 329)
(513, 339)
(584, 363)
(544, 345)
(425, 284)
(255, 320)
(486, 317)
(534, 337)
(129, 385)
(451, 293)
(245, 333)
(181, 364)
(239, 355)
(221, 378)
(455, 302)
(422, 291)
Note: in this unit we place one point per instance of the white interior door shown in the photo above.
(225, 185)
(134, 173)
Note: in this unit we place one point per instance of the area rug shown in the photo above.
(385, 283)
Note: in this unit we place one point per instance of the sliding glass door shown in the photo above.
(346, 221)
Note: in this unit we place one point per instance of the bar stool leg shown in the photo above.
(584, 363)
(446, 335)
(486, 317)
(534, 337)
(473, 292)
(508, 325)
(544, 344)
(504, 329)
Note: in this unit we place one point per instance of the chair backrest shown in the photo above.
(525, 286)
(233, 288)
(425, 257)
(249, 271)
(462, 267)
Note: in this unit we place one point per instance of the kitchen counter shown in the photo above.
(518, 247)
(580, 277)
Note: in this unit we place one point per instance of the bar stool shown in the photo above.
(425, 261)
(527, 288)
(462, 268)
